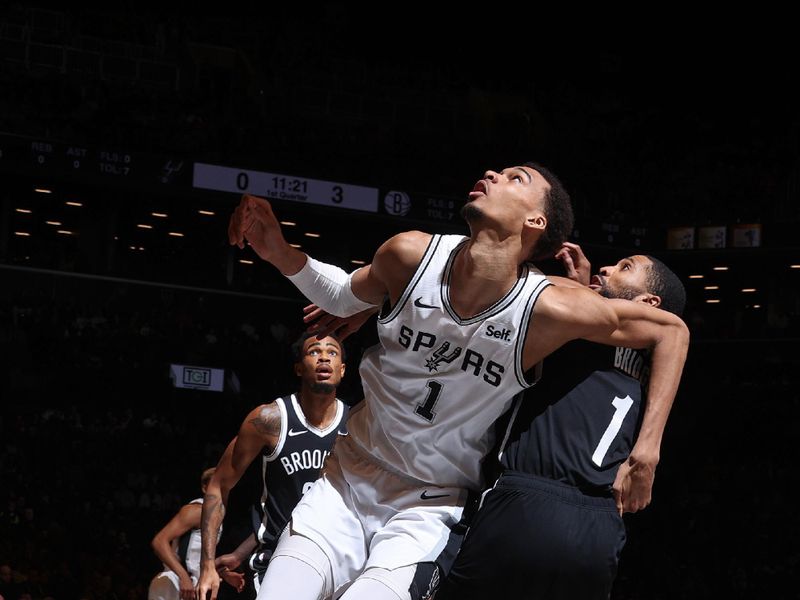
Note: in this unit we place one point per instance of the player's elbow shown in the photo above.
(608, 321)
(681, 333)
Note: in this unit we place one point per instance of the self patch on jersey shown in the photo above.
(501, 332)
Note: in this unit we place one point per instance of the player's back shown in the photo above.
(580, 421)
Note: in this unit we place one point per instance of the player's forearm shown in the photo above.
(667, 361)
(211, 520)
(245, 549)
(163, 550)
(288, 260)
(334, 290)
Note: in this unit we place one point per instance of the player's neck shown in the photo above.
(483, 272)
(318, 408)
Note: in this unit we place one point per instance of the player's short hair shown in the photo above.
(206, 477)
(297, 346)
(557, 211)
(662, 282)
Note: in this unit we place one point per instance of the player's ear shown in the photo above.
(536, 221)
(298, 369)
(651, 299)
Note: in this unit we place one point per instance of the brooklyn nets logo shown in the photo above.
(440, 356)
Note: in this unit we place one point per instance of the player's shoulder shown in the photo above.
(264, 418)
(404, 249)
(408, 241)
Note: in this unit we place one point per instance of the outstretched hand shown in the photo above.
(254, 222)
(575, 263)
(323, 324)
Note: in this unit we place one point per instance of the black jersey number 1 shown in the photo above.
(425, 410)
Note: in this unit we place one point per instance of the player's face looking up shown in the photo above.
(628, 279)
(510, 199)
(320, 366)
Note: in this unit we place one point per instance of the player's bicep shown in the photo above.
(261, 429)
(393, 265)
(641, 325)
(368, 286)
(188, 517)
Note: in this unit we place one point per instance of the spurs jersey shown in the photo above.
(582, 419)
(189, 548)
(290, 469)
(437, 381)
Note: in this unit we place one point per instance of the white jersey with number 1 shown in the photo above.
(437, 381)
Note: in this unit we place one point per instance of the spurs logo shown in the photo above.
(169, 169)
(439, 356)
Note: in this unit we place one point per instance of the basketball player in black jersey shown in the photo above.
(551, 527)
(294, 435)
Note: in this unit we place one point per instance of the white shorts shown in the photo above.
(166, 586)
(362, 515)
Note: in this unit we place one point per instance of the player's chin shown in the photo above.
(323, 387)
(471, 212)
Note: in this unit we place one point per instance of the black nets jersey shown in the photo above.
(581, 420)
(290, 469)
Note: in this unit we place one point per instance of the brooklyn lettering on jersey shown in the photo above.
(632, 362)
(470, 361)
(307, 459)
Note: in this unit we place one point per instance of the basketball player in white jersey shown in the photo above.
(468, 321)
(294, 435)
(177, 546)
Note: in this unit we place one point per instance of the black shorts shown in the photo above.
(536, 538)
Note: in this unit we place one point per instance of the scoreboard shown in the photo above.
(110, 166)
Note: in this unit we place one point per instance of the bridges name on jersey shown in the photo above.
(634, 363)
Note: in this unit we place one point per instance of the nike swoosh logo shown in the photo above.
(294, 433)
(418, 302)
(425, 495)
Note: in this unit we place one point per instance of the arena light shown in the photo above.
(312, 235)
(42, 191)
(159, 215)
(756, 306)
(22, 233)
(73, 203)
(358, 262)
(176, 234)
(208, 213)
(244, 261)
(144, 226)
(65, 232)
(696, 276)
(711, 287)
(289, 223)
(25, 211)
(712, 301)
(720, 268)
(295, 245)
(794, 266)
(54, 223)
(748, 290)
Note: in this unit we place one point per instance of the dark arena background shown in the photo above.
(129, 132)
